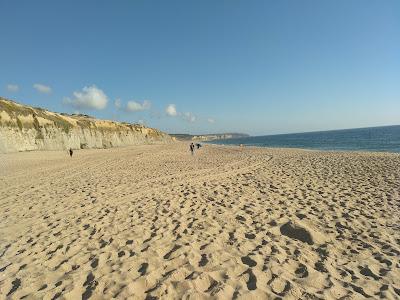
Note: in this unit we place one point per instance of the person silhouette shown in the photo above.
(192, 148)
(70, 152)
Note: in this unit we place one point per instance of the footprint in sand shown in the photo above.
(252, 281)
(143, 269)
(203, 260)
(301, 271)
(279, 286)
(248, 261)
(15, 285)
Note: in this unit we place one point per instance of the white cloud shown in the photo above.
(90, 97)
(118, 103)
(188, 116)
(41, 88)
(210, 120)
(12, 87)
(133, 106)
(171, 110)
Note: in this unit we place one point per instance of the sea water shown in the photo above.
(384, 139)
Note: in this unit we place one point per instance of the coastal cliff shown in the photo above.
(25, 128)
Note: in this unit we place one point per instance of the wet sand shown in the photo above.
(229, 223)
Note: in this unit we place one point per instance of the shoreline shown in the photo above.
(210, 144)
(301, 149)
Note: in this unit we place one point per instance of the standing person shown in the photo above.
(71, 152)
(192, 148)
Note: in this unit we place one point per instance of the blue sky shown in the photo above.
(259, 67)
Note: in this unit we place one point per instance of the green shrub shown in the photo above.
(39, 135)
(19, 123)
(36, 124)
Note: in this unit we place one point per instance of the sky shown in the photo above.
(212, 66)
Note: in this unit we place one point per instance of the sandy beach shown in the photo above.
(229, 223)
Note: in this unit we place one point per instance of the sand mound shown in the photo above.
(296, 232)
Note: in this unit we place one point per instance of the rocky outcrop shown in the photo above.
(24, 128)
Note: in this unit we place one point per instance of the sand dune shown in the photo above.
(230, 223)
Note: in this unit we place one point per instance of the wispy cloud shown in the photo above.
(211, 120)
(170, 110)
(188, 116)
(90, 97)
(132, 106)
(41, 88)
(118, 103)
(12, 87)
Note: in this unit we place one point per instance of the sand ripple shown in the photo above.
(155, 222)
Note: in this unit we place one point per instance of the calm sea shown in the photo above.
(385, 139)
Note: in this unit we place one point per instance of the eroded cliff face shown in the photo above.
(24, 128)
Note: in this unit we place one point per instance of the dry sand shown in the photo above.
(153, 221)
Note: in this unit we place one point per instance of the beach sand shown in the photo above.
(228, 222)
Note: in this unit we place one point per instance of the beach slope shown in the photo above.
(154, 221)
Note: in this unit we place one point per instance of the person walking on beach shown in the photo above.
(71, 152)
(192, 148)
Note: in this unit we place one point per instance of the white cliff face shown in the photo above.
(23, 128)
(14, 139)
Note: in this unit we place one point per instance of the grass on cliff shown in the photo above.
(17, 111)
(14, 110)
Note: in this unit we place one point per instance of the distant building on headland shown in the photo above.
(208, 137)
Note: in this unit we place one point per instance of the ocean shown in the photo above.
(381, 139)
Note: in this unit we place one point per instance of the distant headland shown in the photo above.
(208, 137)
